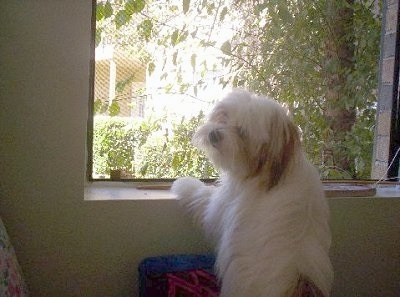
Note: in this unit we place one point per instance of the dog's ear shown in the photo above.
(273, 158)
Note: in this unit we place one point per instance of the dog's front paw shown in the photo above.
(185, 186)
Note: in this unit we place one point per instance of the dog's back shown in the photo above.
(270, 240)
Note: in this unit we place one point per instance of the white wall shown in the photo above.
(69, 247)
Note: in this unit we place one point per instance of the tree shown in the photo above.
(321, 59)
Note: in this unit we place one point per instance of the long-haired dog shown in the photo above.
(268, 215)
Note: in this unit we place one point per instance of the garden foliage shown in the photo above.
(151, 148)
(319, 58)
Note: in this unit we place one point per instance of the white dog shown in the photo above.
(268, 216)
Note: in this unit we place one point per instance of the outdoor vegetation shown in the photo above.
(318, 57)
(142, 149)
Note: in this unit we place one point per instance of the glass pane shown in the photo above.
(161, 65)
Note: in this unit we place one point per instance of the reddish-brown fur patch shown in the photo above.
(306, 288)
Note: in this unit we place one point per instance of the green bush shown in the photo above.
(151, 148)
(113, 145)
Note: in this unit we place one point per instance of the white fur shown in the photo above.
(268, 216)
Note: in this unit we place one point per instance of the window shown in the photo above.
(161, 65)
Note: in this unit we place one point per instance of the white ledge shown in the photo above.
(124, 192)
(160, 191)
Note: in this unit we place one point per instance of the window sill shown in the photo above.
(160, 191)
(126, 191)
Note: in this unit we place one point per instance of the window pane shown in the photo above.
(161, 65)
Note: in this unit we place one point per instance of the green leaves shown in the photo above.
(114, 108)
(223, 13)
(97, 106)
(151, 67)
(174, 58)
(103, 10)
(226, 48)
(103, 107)
(121, 18)
(145, 29)
(185, 6)
(175, 37)
(178, 36)
(97, 37)
(134, 6)
(283, 11)
(193, 61)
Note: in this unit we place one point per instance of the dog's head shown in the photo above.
(249, 136)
